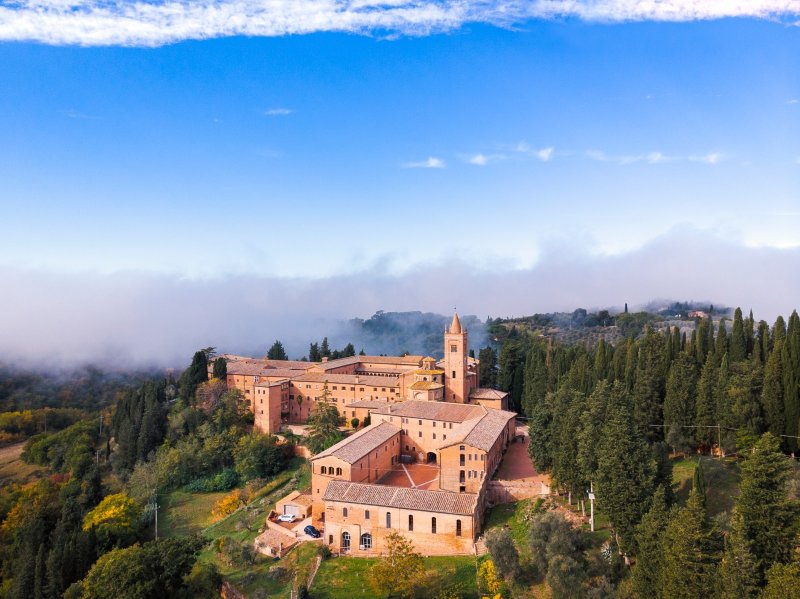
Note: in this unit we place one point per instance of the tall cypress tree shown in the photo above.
(738, 342)
(646, 576)
(738, 575)
(769, 515)
(724, 417)
(690, 553)
(772, 392)
(791, 381)
(679, 403)
(648, 390)
(705, 406)
(721, 342)
(221, 369)
(600, 361)
(625, 473)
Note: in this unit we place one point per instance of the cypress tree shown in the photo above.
(646, 575)
(702, 346)
(600, 361)
(276, 352)
(566, 471)
(625, 471)
(791, 381)
(749, 333)
(690, 553)
(679, 403)
(591, 429)
(738, 575)
(721, 342)
(769, 516)
(699, 483)
(194, 375)
(779, 330)
(738, 342)
(40, 574)
(324, 349)
(724, 416)
(648, 390)
(631, 359)
(663, 471)
(772, 393)
(221, 369)
(762, 342)
(705, 406)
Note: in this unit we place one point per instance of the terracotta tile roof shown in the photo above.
(443, 502)
(426, 386)
(481, 393)
(484, 431)
(368, 403)
(433, 410)
(349, 379)
(298, 498)
(266, 367)
(356, 446)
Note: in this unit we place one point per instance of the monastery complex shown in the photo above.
(421, 466)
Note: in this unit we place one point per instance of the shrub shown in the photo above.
(354, 422)
(226, 506)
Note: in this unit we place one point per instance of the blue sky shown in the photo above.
(495, 143)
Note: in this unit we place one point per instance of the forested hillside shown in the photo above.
(609, 416)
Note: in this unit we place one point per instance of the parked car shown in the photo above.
(312, 532)
(287, 518)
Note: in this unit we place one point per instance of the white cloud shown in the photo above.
(158, 22)
(544, 154)
(652, 158)
(431, 162)
(278, 111)
(793, 101)
(483, 159)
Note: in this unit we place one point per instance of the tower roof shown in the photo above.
(455, 326)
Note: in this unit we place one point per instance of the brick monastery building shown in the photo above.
(420, 468)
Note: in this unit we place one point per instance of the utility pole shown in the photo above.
(591, 505)
(719, 440)
(156, 502)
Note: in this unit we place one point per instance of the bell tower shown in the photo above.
(455, 362)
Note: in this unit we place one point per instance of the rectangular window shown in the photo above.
(344, 512)
(366, 514)
(458, 528)
(454, 374)
(434, 435)
(461, 460)
(419, 434)
(453, 349)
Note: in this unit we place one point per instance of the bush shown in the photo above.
(324, 551)
(222, 481)
(226, 506)
(354, 422)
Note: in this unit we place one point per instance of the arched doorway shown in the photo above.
(431, 457)
(345, 541)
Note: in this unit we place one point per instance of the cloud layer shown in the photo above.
(146, 319)
(158, 22)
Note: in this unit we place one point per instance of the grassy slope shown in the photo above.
(183, 513)
(12, 468)
(346, 577)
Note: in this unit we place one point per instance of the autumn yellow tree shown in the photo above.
(397, 572)
(226, 506)
(491, 581)
(116, 518)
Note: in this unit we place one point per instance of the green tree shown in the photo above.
(648, 389)
(194, 375)
(487, 370)
(504, 553)
(772, 392)
(783, 582)
(679, 402)
(738, 342)
(150, 571)
(276, 352)
(399, 571)
(769, 515)
(313, 353)
(323, 425)
(690, 553)
(625, 470)
(258, 456)
(324, 349)
(791, 381)
(221, 368)
(705, 407)
(738, 575)
(646, 574)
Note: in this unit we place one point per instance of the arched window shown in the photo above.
(410, 522)
(366, 541)
(345, 541)
(388, 519)
(458, 528)
(323, 470)
(433, 525)
(338, 472)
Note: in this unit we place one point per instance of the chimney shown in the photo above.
(356, 379)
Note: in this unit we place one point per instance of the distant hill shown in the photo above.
(393, 333)
(610, 324)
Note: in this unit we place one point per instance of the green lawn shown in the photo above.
(346, 577)
(182, 513)
(722, 481)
